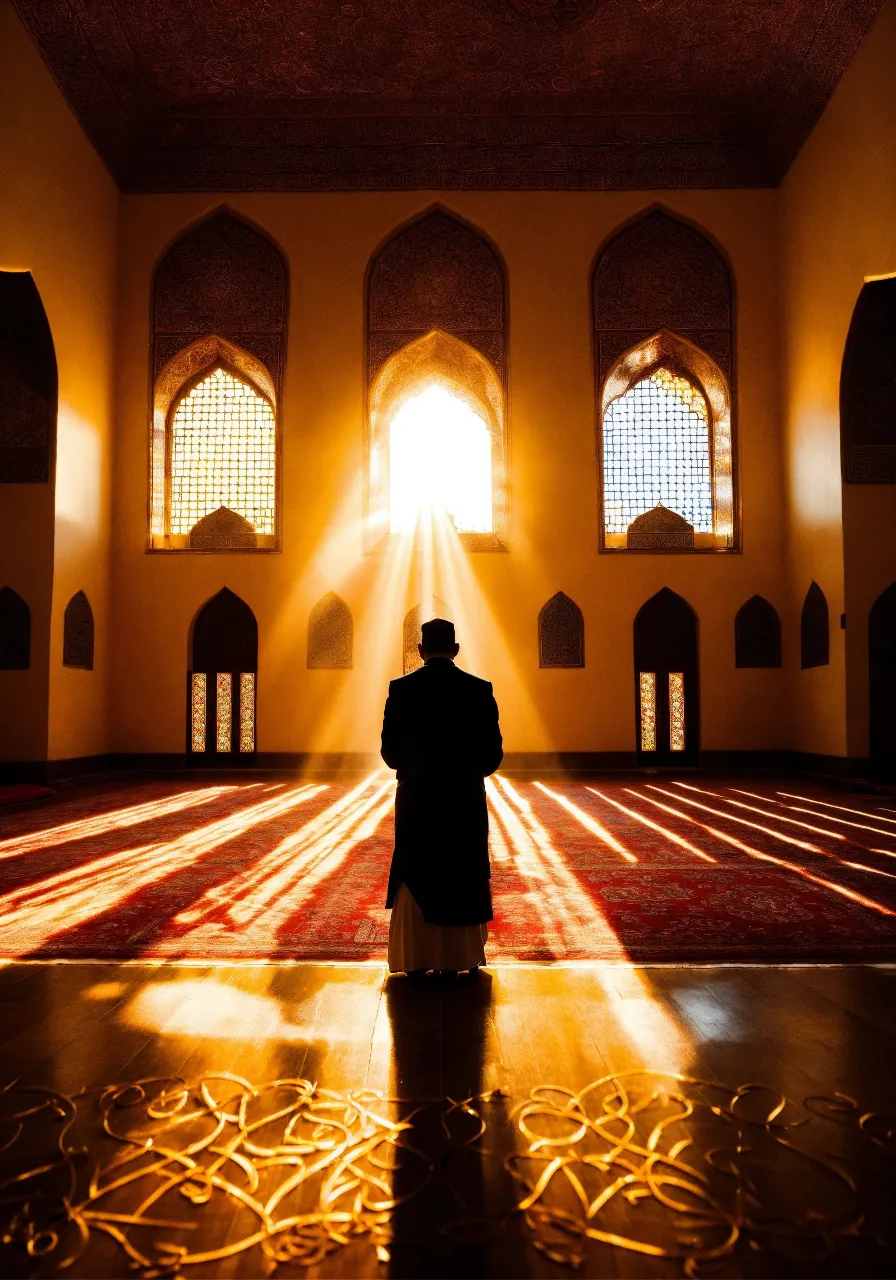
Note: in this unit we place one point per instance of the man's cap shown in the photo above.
(438, 635)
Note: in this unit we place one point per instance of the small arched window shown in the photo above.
(663, 361)
(221, 683)
(757, 634)
(330, 634)
(77, 633)
(219, 331)
(561, 633)
(815, 637)
(15, 632)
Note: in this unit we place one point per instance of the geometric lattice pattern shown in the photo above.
(676, 711)
(647, 689)
(656, 450)
(223, 453)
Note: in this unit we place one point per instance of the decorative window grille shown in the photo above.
(648, 710)
(676, 711)
(198, 693)
(222, 454)
(656, 450)
(247, 711)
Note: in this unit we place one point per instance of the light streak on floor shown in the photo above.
(663, 831)
(858, 826)
(589, 823)
(861, 813)
(62, 901)
(768, 857)
(115, 819)
(744, 822)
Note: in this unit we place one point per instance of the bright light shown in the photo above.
(440, 459)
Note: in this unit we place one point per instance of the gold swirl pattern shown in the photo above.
(656, 1163)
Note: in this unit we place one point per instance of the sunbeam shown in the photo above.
(663, 831)
(589, 823)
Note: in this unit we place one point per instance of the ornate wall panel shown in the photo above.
(757, 634)
(661, 273)
(28, 383)
(815, 632)
(660, 530)
(330, 634)
(222, 277)
(77, 633)
(436, 273)
(222, 530)
(561, 633)
(868, 388)
(15, 632)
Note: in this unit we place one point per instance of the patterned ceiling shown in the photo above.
(393, 94)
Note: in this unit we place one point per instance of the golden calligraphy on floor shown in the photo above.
(181, 1175)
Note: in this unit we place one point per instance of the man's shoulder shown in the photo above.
(475, 683)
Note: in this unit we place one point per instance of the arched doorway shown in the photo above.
(667, 710)
(221, 683)
(882, 682)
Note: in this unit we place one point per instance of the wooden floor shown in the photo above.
(806, 1032)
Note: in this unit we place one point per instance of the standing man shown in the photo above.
(441, 733)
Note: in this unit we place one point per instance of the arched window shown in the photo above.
(219, 332)
(757, 634)
(663, 362)
(77, 633)
(667, 681)
(411, 633)
(867, 380)
(436, 319)
(815, 638)
(28, 382)
(15, 632)
(330, 634)
(561, 633)
(221, 683)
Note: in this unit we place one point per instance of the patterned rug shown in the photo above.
(646, 871)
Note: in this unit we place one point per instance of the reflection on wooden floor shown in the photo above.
(737, 1122)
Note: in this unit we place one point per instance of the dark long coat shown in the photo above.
(440, 732)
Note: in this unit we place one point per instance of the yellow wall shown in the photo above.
(838, 224)
(548, 242)
(59, 220)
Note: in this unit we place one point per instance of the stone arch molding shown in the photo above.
(668, 350)
(442, 359)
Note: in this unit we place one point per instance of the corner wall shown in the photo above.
(59, 220)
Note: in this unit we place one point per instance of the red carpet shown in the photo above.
(643, 871)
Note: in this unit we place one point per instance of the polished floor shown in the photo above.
(741, 1123)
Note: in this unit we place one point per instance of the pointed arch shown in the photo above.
(222, 680)
(663, 309)
(330, 634)
(882, 683)
(757, 634)
(78, 633)
(667, 684)
(815, 631)
(561, 633)
(220, 299)
(15, 632)
(436, 272)
(411, 636)
(867, 379)
(28, 383)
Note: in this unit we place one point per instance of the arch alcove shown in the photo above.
(867, 380)
(28, 383)
(561, 633)
(757, 634)
(15, 631)
(882, 683)
(815, 631)
(667, 685)
(221, 682)
(78, 633)
(411, 636)
(330, 634)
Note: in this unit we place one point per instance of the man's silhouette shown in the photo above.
(440, 732)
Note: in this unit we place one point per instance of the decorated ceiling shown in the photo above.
(322, 95)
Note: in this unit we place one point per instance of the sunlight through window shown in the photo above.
(440, 461)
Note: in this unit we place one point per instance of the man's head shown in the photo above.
(438, 639)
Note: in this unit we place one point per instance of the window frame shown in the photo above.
(176, 379)
(669, 350)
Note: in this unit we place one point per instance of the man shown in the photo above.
(440, 732)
